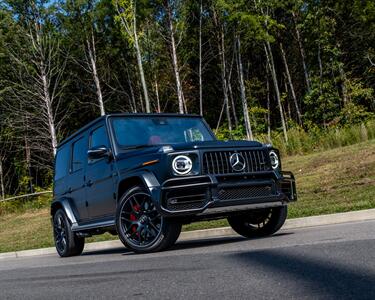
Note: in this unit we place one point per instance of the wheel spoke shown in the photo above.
(140, 220)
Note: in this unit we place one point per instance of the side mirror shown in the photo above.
(98, 152)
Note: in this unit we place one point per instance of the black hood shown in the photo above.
(216, 144)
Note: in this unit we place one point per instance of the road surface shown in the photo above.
(326, 262)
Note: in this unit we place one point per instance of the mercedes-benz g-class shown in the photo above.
(142, 176)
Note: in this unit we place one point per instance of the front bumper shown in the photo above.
(209, 194)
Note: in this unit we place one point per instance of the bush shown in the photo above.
(24, 204)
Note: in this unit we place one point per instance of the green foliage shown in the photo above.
(26, 204)
(316, 139)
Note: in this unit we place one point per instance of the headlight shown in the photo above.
(274, 159)
(182, 164)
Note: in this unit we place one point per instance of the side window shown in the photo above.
(78, 155)
(99, 137)
(62, 162)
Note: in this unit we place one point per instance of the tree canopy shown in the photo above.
(251, 68)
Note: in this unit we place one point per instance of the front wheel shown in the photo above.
(260, 222)
(66, 241)
(139, 225)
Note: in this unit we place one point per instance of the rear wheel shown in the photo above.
(67, 243)
(139, 225)
(261, 222)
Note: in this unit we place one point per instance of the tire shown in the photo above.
(259, 223)
(67, 243)
(140, 227)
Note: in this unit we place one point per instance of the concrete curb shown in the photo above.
(339, 218)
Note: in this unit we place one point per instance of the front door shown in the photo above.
(99, 180)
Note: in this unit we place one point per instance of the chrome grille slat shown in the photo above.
(218, 162)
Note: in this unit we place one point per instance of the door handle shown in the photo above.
(89, 183)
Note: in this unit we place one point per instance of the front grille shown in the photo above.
(218, 162)
(246, 192)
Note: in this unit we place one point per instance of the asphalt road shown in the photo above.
(327, 262)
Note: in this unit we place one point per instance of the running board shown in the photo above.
(76, 227)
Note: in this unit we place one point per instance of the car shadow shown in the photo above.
(186, 244)
(330, 278)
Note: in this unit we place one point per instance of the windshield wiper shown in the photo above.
(139, 146)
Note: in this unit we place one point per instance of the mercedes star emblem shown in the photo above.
(237, 162)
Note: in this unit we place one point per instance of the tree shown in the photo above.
(127, 16)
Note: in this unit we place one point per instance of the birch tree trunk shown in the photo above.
(180, 94)
(344, 90)
(200, 60)
(27, 152)
(2, 179)
(245, 109)
(268, 110)
(299, 116)
(131, 92)
(44, 49)
(302, 52)
(140, 67)
(221, 45)
(157, 95)
(129, 22)
(91, 49)
(271, 65)
(49, 111)
(230, 92)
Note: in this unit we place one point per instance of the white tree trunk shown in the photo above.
(230, 92)
(157, 95)
(245, 108)
(140, 67)
(200, 60)
(2, 180)
(180, 94)
(92, 56)
(131, 92)
(271, 65)
(302, 52)
(49, 110)
(223, 77)
(299, 116)
(268, 110)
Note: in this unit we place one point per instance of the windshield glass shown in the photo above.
(133, 131)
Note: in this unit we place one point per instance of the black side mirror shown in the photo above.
(98, 152)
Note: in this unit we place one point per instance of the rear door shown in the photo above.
(77, 176)
(100, 185)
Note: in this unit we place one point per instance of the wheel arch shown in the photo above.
(64, 204)
(145, 179)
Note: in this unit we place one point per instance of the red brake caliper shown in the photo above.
(133, 217)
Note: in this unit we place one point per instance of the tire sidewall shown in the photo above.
(276, 221)
(155, 244)
(68, 233)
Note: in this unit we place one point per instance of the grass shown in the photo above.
(337, 180)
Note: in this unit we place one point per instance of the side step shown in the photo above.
(101, 224)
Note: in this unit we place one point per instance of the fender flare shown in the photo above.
(148, 179)
(64, 203)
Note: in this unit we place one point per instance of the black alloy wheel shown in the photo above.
(67, 243)
(140, 226)
(260, 222)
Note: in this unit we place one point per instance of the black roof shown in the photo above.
(105, 117)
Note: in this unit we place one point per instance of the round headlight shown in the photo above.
(274, 160)
(182, 164)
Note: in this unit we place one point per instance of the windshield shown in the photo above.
(133, 131)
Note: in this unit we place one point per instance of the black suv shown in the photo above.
(142, 176)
